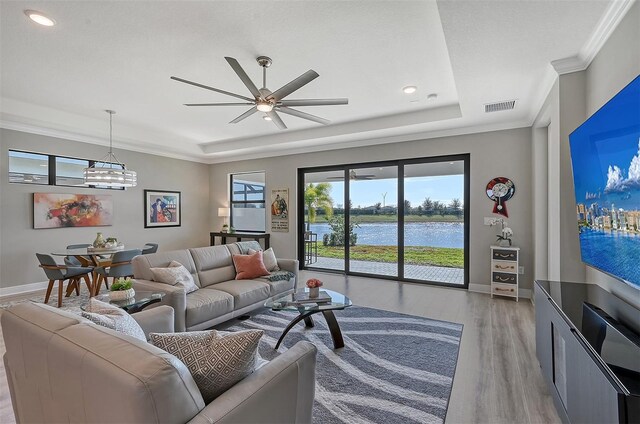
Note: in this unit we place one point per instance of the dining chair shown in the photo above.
(149, 248)
(72, 261)
(55, 271)
(120, 267)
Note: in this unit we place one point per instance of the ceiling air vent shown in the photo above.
(499, 106)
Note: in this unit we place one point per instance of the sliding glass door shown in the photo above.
(403, 219)
(434, 222)
(373, 224)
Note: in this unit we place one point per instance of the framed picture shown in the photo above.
(280, 210)
(162, 208)
(51, 210)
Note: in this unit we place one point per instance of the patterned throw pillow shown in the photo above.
(112, 317)
(216, 361)
(176, 275)
(249, 266)
(269, 259)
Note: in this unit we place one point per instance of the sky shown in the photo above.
(369, 192)
(605, 153)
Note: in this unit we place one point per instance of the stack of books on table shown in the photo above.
(303, 297)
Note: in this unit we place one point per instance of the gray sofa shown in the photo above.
(220, 296)
(63, 368)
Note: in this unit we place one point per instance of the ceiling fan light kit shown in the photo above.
(106, 174)
(264, 100)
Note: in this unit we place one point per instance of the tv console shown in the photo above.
(587, 346)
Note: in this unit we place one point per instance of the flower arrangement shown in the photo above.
(505, 235)
(314, 283)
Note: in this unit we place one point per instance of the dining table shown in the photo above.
(92, 257)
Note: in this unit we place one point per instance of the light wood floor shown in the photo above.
(497, 379)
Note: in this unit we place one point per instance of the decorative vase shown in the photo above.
(314, 292)
(505, 243)
(122, 294)
(99, 241)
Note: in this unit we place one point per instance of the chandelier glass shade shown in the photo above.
(108, 171)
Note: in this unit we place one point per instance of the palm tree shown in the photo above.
(317, 196)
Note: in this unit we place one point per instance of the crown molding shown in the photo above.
(607, 24)
(84, 138)
(368, 140)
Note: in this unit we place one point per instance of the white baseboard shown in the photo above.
(486, 288)
(22, 289)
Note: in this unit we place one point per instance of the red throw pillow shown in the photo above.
(249, 266)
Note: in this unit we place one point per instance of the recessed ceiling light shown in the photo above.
(266, 118)
(409, 89)
(39, 18)
(432, 96)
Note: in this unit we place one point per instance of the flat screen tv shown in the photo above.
(605, 154)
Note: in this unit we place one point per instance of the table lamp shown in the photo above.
(224, 212)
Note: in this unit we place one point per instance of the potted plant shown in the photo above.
(121, 289)
(314, 287)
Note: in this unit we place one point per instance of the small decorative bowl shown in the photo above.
(122, 294)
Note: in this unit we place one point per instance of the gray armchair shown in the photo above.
(61, 273)
(120, 266)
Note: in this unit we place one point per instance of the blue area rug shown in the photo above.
(394, 368)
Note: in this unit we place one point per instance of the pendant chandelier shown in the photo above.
(108, 171)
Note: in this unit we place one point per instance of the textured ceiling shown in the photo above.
(120, 55)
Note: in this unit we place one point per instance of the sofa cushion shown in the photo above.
(176, 275)
(279, 285)
(245, 292)
(206, 304)
(112, 317)
(215, 361)
(249, 266)
(142, 264)
(213, 264)
(269, 259)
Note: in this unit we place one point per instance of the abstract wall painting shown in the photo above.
(53, 210)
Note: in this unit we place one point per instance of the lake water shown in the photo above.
(432, 234)
(614, 252)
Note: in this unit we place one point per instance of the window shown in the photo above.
(248, 202)
(28, 168)
(69, 171)
(40, 168)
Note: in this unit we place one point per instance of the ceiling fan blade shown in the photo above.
(315, 102)
(297, 83)
(206, 87)
(245, 115)
(219, 104)
(303, 115)
(244, 77)
(277, 120)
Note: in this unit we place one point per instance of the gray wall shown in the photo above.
(573, 99)
(19, 241)
(501, 153)
(603, 81)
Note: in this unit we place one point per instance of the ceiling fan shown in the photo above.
(267, 101)
(354, 176)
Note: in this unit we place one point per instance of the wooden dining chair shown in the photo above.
(120, 267)
(61, 273)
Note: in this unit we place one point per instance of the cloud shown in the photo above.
(634, 167)
(590, 196)
(615, 178)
